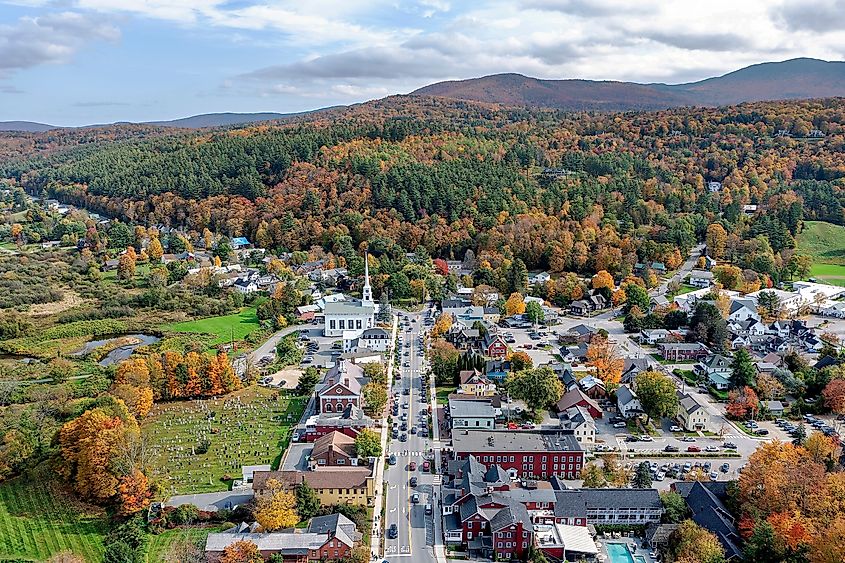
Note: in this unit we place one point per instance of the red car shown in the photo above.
(693, 449)
(412, 466)
(426, 466)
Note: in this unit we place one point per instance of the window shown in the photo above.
(358, 323)
(500, 545)
(341, 462)
(512, 458)
(469, 535)
(332, 324)
(321, 462)
(342, 324)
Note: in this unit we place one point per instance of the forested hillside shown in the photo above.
(563, 191)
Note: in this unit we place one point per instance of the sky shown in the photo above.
(78, 62)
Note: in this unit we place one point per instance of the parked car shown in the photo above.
(675, 428)
(693, 449)
(714, 475)
(619, 425)
(725, 467)
(428, 509)
(392, 532)
(687, 439)
(392, 459)
(646, 438)
(415, 498)
(426, 466)
(711, 449)
(761, 432)
(729, 446)
(671, 448)
(412, 466)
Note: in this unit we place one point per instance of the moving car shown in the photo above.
(412, 466)
(426, 466)
(392, 459)
(415, 498)
(413, 481)
(693, 449)
(428, 509)
(671, 449)
(392, 532)
(619, 425)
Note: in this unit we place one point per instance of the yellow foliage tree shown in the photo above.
(155, 250)
(276, 510)
(604, 359)
(442, 326)
(515, 305)
(603, 279)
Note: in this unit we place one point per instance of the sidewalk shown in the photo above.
(439, 548)
(375, 535)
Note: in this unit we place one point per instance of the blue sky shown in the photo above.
(75, 62)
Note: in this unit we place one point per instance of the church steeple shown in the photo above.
(367, 291)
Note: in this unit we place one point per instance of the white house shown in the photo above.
(791, 301)
(743, 309)
(539, 278)
(578, 420)
(627, 402)
(701, 278)
(472, 414)
(714, 186)
(716, 368)
(376, 339)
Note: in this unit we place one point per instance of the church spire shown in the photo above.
(367, 291)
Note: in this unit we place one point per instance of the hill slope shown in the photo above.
(27, 126)
(792, 79)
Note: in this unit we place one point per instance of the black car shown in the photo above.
(671, 449)
(729, 446)
(392, 532)
(413, 481)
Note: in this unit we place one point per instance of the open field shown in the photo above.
(176, 540)
(247, 427)
(224, 328)
(38, 520)
(825, 243)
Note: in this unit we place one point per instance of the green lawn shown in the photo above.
(443, 392)
(38, 520)
(224, 328)
(177, 541)
(825, 243)
(248, 427)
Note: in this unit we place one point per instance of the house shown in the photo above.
(538, 278)
(536, 453)
(658, 301)
(240, 242)
(706, 503)
(577, 420)
(330, 537)
(633, 366)
(692, 415)
(683, 351)
(472, 414)
(473, 382)
(790, 301)
(574, 354)
(654, 336)
(775, 408)
(593, 387)
(333, 485)
(743, 309)
(578, 334)
(748, 327)
(342, 387)
(714, 186)
(376, 339)
(658, 267)
(564, 373)
(333, 450)
(716, 368)
(576, 397)
(494, 346)
(627, 402)
(592, 303)
(491, 314)
(709, 263)
(701, 278)
(497, 370)
(351, 421)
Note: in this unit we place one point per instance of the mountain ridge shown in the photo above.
(800, 78)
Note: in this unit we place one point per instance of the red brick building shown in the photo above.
(342, 388)
(540, 454)
(350, 422)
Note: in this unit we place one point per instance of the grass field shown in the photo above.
(176, 540)
(248, 427)
(38, 520)
(825, 243)
(225, 328)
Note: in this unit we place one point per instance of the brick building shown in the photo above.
(522, 453)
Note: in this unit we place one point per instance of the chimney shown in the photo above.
(346, 381)
(331, 381)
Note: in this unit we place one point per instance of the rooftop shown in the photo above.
(510, 441)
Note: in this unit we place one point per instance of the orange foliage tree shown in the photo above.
(605, 360)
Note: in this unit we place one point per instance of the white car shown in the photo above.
(646, 438)
(620, 425)
(711, 449)
(675, 428)
(660, 476)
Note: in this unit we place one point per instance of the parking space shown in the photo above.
(540, 344)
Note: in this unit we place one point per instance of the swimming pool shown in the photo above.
(618, 553)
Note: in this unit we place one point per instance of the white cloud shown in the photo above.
(52, 38)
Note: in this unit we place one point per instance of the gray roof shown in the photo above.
(347, 308)
(337, 525)
(212, 502)
(622, 498)
(703, 274)
(511, 514)
(471, 409)
(625, 395)
(569, 504)
(690, 404)
(284, 542)
(510, 441)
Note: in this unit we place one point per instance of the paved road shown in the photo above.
(684, 270)
(416, 532)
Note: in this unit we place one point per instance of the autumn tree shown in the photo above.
(155, 250)
(691, 543)
(126, 264)
(834, 395)
(241, 551)
(133, 492)
(276, 509)
(716, 240)
(368, 444)
(593, 476)
(540, 388)
(520, 360)
(441, 325)
(657, 394)
(742, 403)
(605, 361)
(603, 280)
(515, 305)
(375, 398)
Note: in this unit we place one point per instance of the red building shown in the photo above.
(540, 454)
(342, 388)
(494, 346)
(350, 422)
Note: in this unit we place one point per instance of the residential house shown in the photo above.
(331, 537)
(692, 415)
(494, 346)
(534, 453)
(633, 366)
(709, 263)
(491, 314)
(564, 373)
(653, 336)
(717, 369)
(743, 309)
(593, 387)
(577, 420)
(775, 408)
(376, 339)
(473, 382)
(658, 301)
(574, 354)
(577, 397)
(334, 449)
(578, 334)
(591, 304)
(683, 351)
(701, 278)
(350, 421)
(706, 501)
(538, 278)
(472, 414)
(497, 370)
(627, 402)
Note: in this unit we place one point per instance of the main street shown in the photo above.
(416, 530)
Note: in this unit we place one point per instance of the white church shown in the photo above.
(350, 318)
